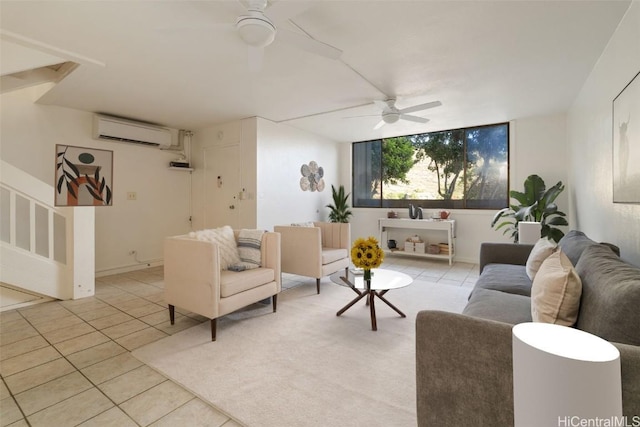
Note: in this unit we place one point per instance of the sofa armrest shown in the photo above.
(464, 371)
(192, 275)
(630, 370)
(271, 255)
(301, 250)
(504, 253)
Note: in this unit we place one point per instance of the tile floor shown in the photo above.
(68, 363)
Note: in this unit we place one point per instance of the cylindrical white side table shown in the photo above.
(562, 375)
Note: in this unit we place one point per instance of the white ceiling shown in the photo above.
(169, 62)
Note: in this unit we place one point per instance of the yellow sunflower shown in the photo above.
(366, 253)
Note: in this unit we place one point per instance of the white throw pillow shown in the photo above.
(226, 241)
(541, 250)
(303, 224)
(556, 291)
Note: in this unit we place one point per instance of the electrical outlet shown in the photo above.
(132, 195)
(132, 252)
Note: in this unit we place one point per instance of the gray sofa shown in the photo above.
(464, 361)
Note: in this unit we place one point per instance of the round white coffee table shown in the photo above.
(382, 281)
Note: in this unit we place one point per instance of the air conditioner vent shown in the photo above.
(129, 131)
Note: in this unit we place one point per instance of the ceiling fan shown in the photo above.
(258, 30)
(391, 114)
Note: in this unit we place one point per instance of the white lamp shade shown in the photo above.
(528, 232)
(560, 373)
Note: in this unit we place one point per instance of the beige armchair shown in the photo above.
(315, 251)
(194, 281)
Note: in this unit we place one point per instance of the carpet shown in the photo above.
(304, 366)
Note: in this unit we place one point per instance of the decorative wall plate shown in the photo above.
(312, 177)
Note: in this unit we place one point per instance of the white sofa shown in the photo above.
(316, 251)
(193, 279)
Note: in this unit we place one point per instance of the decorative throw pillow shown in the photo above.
(556, 291)
(249, 242)
(226, 241)
(303, 224)
(541, 250)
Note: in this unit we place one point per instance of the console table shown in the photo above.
(390, 227)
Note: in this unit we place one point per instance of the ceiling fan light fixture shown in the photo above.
(256, 31)
(390, 118)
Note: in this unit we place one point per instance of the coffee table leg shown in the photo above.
(355, 300)
(372, 307)
(379, 295)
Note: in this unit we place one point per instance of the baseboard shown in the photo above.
(129, 268)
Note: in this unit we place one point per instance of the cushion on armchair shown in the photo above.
(330, 255)
(226, 242)
(249, 242)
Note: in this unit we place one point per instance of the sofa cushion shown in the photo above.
(330, 255)
(555, 293)
(573, 243)
(499, 306)
(232, 283)
(508, 278)
(541, 250)
(226, 241)
(610, 305)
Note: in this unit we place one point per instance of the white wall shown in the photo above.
(29, 134)
(590, 144)
(282, 150)
(538, 145)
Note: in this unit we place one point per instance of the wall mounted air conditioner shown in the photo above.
(122, 130)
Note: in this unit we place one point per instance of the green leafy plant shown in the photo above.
(340, 208)
(536, 203)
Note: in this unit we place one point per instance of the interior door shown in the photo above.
(221, 186)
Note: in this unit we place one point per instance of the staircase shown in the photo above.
(44, 249)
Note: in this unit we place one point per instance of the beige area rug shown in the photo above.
(304, 366)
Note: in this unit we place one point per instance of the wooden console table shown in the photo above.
(388, 227)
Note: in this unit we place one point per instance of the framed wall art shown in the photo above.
(84, 176)
(626, 143)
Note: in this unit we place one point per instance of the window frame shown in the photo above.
(432, 203)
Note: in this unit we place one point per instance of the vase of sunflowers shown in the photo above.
(367, 254)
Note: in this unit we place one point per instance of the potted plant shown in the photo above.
(340, 208)
(535, 204)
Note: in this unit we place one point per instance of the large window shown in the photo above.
(460, 168)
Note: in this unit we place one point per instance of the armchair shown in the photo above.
(194, 280)
(316, 251)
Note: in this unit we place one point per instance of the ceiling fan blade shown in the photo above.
(379, 125)
(283, 10)
(256, 54)
(413, 118)
(421, 107)
(308, 44)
